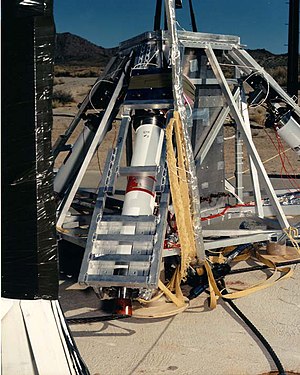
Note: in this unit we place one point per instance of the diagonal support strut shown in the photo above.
(249, 142)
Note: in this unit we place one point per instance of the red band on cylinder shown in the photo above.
(145, 184)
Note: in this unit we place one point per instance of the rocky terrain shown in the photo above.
(76, 56)
(74, 50)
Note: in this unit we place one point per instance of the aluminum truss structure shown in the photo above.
(141, 85)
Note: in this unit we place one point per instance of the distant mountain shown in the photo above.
(71, 49)
(74, 50)
(268, 59)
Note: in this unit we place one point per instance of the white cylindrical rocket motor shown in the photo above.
(290, 132)
(140, 193)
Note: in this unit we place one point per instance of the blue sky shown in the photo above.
(259, 23)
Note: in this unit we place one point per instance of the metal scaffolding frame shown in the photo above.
(157, 43)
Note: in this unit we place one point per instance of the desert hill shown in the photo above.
(268, 59)
(77, 57)
(71, 49)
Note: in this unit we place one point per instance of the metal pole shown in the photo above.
(254, 176)
(239, 163)
(100, 133)
(293, 48)
(193, 20)
(157, 16)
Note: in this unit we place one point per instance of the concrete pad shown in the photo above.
(196, 342)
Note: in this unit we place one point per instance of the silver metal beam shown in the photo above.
(239, 163)
(101, 131)
(229, 187)
(246, 212)
(215, 244)
(118, 151)
(234, 232)
(239, 62)
(254, 175)
(226, 41)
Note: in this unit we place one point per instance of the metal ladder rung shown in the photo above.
(115, 224)
(131, 238)
(121, 258)
(128, 219)
(150, 170)
(117, 280)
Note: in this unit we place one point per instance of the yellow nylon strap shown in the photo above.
(173, 285)
(178, 302)
(241, 257)
(62, 230)
(153, 299)
(291, 233)
(213, 297)
(180, 192)
(217, 258)
(177, 286)
(278, 274)
(177, 166)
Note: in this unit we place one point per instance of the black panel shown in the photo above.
(29, 253)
